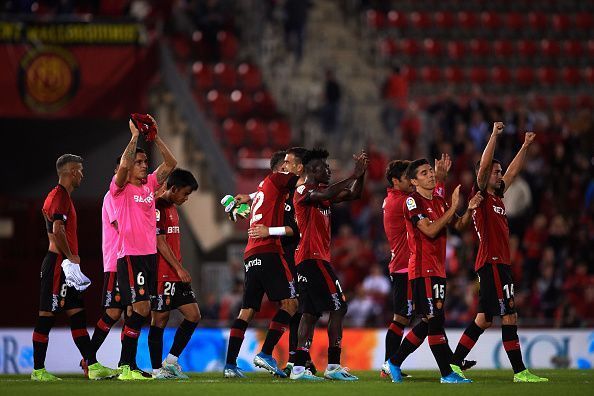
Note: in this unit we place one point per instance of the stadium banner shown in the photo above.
(73, 69)
(362, 349)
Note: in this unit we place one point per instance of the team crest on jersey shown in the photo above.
(141, 291)
(158, 213)
(410, 203)
(117, 297)
(439, 304)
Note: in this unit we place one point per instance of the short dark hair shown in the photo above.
(138, 150)
(315, 154)
(66, 159)
(181, 178)
(395, 170)
(411, 171)
(478, 164)
(298, 152)
(277, 158)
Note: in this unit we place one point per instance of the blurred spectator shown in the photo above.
(517, 201)
(395, 95)
(332, 97)
(295, 21)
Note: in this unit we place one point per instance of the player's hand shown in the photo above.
(475, 201)
(154, 124)
(361, 162)
(242, 198)
(183, 275)
(75, 259)
(258, 231)
(133, 129)
(442, 167)
(529, 138)
(456, 197)
(498, 128)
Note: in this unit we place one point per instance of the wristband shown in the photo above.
(277, 231)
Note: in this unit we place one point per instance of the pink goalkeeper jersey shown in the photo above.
(109, 236)
(137, 223)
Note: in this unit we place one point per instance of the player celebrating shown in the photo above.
(266, 271)
(174, 290)
(55, 294)
(493, 263)
(318, 285)
(427, 215)
(133, 192)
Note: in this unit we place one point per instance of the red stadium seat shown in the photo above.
(479, 47)
(571, 75)
(396, 20)
(387, 47)
(228, 45)
(585, 21)
(588, 73)
(479, 75)
(550, 48)
(524, 76)
(225, 75)
(250, 77)
(280, 133)
(537, 21)
(410, 74)
(182, 46)
(590, 48)
(456, 50)
(264, 104)
(547, 75)
(233, 132)
(501, 75)
(503, 48)
(420, 20)
(561, 22)
(375, 19)
(256, 132)
(454, 74)
(527, 48)
(203, 76)
(466, 20)
(410, 47)
(431, 74)
(218, 104)
(432, 47)
(490, 20)
(541, 102)
(444, 20)
(201, 48)
(562, 102)
(514, 21)
(573, 49)
(585, 101)
(242, 104)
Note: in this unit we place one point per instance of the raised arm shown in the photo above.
(518, 162)
(482, 176)
(128, 156)
(442, 167)
(347, 189)
(460, 223)
(165, 251)
(432, 229)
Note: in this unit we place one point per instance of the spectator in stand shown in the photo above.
(534, 240)
(395, 95)
(332, 98)
(295, 21)
(517, 200)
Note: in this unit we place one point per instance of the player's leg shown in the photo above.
(401, 318)
(468, 340)
(113, 310)
(414, 338)
(159, 320)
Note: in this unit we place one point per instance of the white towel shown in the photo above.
(74, 276)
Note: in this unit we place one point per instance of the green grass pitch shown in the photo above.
(487, 382)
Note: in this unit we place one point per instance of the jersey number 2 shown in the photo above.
(258, 201)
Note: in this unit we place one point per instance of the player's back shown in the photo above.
(395, 229)
(313, 220)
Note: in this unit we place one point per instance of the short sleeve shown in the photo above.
(114, 190)
(284, 180)
(161, 218)
(412, 210)
(152, 182)
(110, 208)
(59, 208)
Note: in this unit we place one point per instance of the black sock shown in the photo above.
(235, 340)
(102, 329)
(393, 338)
(414, 338)
(466, 343)
(278, 325)
(301, 356)
(334, 355)
(155, 344)
(78, 327)
(130, 334)
(40, 338)
(439, 345)
(182, 337)
(511, 344)
(293, 335)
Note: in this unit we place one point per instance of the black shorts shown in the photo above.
(319, 289)
(137, 278)
(496, 295)
(429, 295)
(112, 297)
(172, 295)
(401, 295)
(267, 273)
(54, 294)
